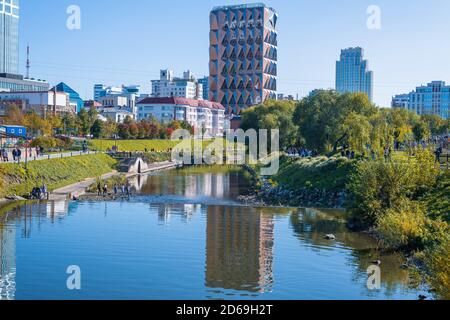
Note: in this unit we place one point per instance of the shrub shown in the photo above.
(377, 186)
(403, 226)
(50, 143)
(437, 261)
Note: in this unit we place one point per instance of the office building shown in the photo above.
(243, 55)
(9, 37)
(432, 99)
(353, 74)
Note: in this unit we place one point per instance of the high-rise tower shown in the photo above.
(243, 55)
(352, 73)
(9, 36)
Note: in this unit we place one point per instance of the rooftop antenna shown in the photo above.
(28, 61)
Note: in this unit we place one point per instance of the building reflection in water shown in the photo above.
(239, 249)
(7, 260)
(165, 212)
(23, 215)
(191, 186)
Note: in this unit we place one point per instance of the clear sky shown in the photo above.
(128, 42)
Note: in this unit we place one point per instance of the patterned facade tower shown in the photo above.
(243, 56)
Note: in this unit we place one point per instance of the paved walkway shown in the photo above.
(50, 156)
(77, 189)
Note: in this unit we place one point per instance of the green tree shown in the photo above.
(97, 129)
(421, 130)
(322, 115)
(273, 115)
(358, 129)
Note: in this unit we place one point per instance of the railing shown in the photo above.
(25, 157)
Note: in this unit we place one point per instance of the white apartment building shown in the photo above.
(116, 114)
(201, 114)
(114, 101)
(42, 102)
(170, 86)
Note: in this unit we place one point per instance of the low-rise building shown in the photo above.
(117, 115)
(74, 98)
(114, 101)
(44, 103)
(131, 93)
(201, 114)
(12, 83)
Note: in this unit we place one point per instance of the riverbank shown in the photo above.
(19, 180)
(402, 203)
(307, 182)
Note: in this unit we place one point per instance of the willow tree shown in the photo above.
(358, 130)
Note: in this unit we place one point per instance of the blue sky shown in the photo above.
(128, 42)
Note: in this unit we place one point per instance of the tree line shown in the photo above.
(87, 123)
(326, 121)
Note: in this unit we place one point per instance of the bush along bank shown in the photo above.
(402, 203)
(54, 173)
(309, 182)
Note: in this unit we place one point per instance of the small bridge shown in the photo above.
(134, 164)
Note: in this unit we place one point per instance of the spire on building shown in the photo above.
(28, 61)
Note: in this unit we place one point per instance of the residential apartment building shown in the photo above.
(169, 86)
(432, 99)
(44, 103)
(353, 74)
(243, 55)
(201, 114)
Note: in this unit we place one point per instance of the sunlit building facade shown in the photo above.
(432, 99)
(243, 55)
(353, 74)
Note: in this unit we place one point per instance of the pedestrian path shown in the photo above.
(24, 159)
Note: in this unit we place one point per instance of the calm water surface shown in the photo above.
(185, 237)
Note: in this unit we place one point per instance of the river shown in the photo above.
(184, 236)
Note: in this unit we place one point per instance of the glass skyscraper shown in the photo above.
(9, 36)
(352, 73)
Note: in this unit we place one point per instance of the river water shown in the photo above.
(184, 236)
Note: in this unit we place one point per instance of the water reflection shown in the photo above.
(193, 186)
(190, 248)
(239, 249)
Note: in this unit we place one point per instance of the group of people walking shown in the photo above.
(124, 190)
(17, 153)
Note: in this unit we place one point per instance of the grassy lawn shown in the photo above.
(55, 173)
(323, 173)
(140, 145)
